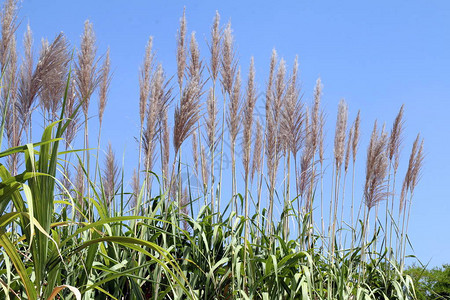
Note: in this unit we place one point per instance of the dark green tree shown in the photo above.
(431, 284)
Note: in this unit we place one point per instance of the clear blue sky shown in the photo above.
(376, 55)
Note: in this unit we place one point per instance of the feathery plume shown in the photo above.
(418, 163)
(315, 119)
(306, 172)
(12, 122)
(248, 116)
(269, 96)
(205, 172)
(26, 97)
(257, 150)
(159, 99)
(211, 121)
(195, 64)
(74, 124)
(228, 61)
(339, 138)
(214, 48)
(279, 90)
(153, 110)
(80, 189)
(376, 168)
(195, 150)
(413, 171)
(292, 114)
(31, 82)
(321, 137)
(85, 70)
(110, 174)
(9, 25)
(44, 101)
(396, 139)
(166, 146)
(54, 84)
(417, 171)
(270, 130)
(348, 149)
(144, 79)
(105, 80)
(53, 57)
(160, 91)
(136, 189)
(10, 73)
(356, 134)
(181, 49)
(234, 109)
(187, 113)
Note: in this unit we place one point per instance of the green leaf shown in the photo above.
(18, 264)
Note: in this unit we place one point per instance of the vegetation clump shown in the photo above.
(192, 228)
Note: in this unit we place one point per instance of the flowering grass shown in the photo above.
(71, 227)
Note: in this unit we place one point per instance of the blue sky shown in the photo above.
(376, 55)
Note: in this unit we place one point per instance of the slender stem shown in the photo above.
(375, 228)
(5, 109)
(246, 238)
(336, 202)
(221, 153)
(390, 215)
(299, 200)
(342, 211)
(309, 207)
(387, 216)
(287, 196)
(406, 232)
(86, 163)
(141, 132)
(402, 245)
(98, 148)
(233, 176)
(363, 242)
(330, 215)
(211, 151)
(271, 196)
(352, 206)
(179, 182)
(322, 232)
(260, 181)
(30, 126)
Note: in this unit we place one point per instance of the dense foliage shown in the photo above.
(431, 283)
